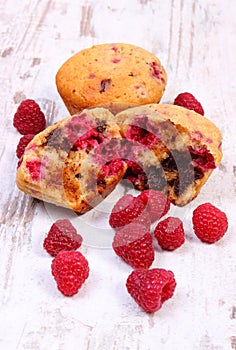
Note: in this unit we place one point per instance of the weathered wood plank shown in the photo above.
(196, 43)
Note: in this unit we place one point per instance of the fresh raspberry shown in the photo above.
(158, 204)
(133, 243)
(29, 119)
(151, 288)
(170, 233)
(143, 219)
(188, 101)
(62, 236)
(209, 223)
(126, 210)
(70, 270)
(23, 142)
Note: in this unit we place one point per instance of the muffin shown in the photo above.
(173, 150)
(115, 76)
(78, 161)
(73, 163)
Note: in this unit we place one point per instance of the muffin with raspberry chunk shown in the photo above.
(74, 163)
(176, 148)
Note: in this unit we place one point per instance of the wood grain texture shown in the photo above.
(196, 42)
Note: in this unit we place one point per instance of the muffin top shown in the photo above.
(117, 74)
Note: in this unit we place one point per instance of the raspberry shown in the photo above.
(158, 204)
(62, 236)
(126, 210)
(142, 135)
(202, 158)
(35, 168)
(135, 174)
(188, 101)
(23, 142)
(143, 219)
(70, 269)
(133, 243)
(151, 288)
(112, 167)
(156, 72)
(88, 140)
(209, 223)
(29, 119)
(170, 233)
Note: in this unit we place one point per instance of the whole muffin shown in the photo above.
(115, 76)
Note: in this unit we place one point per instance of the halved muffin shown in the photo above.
(72, 163)
(174, 149)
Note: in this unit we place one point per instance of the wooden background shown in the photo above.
(196, 42)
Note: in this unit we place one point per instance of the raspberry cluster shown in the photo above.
(131, 217)
(133, 243)
(29, 120)
(69, 267)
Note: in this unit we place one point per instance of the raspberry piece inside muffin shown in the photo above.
(176, 154)
(35, 168)
(89, 140)
(202, 158)
(142, 131)
(135, 174)
(156, 72)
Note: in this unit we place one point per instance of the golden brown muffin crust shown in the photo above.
(115, 76)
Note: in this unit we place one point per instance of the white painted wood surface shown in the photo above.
(196, 42)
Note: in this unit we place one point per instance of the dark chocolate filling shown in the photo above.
(179, 164)
(58, 140)
(88, 140)
(179, 170)
(156, 179)
(104, 85)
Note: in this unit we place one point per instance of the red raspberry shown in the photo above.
(126, 210)
(62, 236)
(29, 119)
(70, 270)
(133, 243)
(151, 288)
(209, 223)
(188, 101)
(143, 219)
(23, 142)
(35, 168)
(170, 233)
(158, 204)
